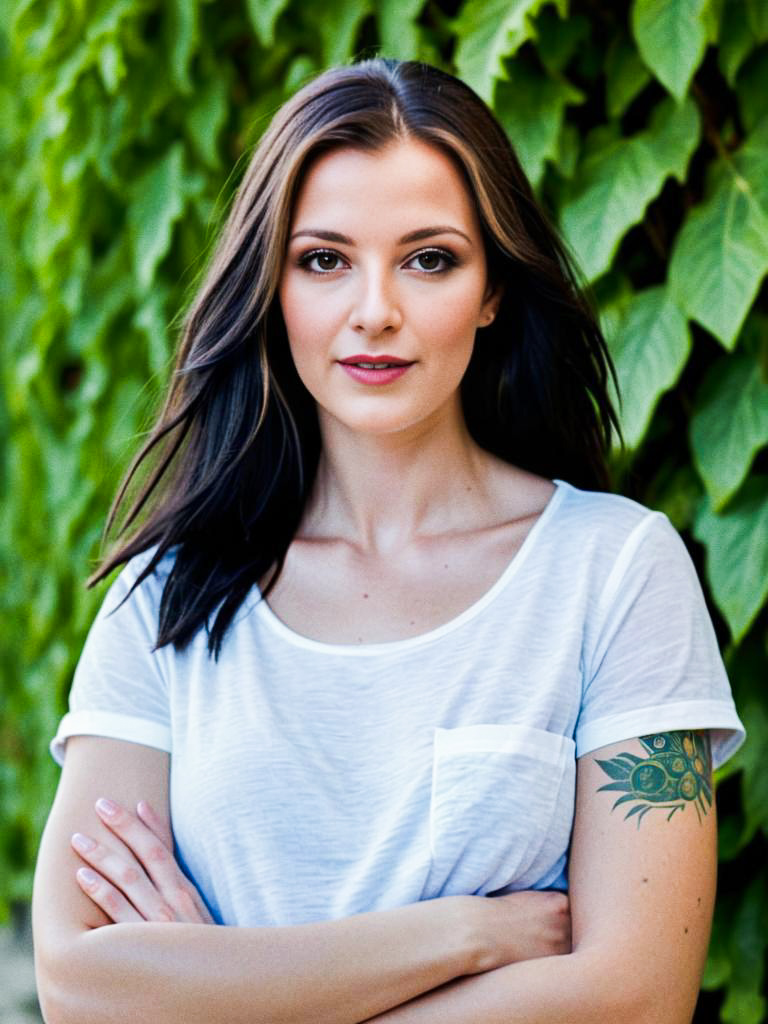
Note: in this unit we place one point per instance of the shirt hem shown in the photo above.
(110, 726)
(696, 714)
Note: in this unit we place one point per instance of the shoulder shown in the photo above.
(609, 527)
(603, 509)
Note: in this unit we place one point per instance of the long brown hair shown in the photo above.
(227, 470)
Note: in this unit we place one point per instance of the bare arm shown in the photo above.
(342, 971)
(642, 893)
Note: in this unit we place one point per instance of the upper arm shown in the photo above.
(642, 887)
(125, 772)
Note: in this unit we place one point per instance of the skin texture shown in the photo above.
(389, 569)
(374, 294)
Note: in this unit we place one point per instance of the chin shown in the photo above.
(380, 424)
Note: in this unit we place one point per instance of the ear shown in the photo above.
(491, 303)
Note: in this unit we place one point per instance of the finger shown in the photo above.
(126, 876)
(161, 829)
(104, 895)
(155, 858)
(153, 821)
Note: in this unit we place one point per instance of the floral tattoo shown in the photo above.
(676, 772)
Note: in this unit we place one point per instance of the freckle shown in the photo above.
(365, 595)
(645, 880)
(698, 901)
(445, 566)
(685, 930)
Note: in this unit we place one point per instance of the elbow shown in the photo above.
(63, 995)
(616, 992)
(55, 1005)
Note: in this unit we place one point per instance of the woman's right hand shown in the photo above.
(137, 878)
(517, 926)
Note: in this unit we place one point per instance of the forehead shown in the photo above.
(406, 184)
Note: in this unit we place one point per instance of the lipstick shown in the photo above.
(376, 369)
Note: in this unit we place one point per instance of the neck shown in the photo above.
(380, 492)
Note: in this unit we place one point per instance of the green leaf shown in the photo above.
(615, 183)
(615, 768)
(338, 28)
(729, 424)
(488, 31)
(152, 319)
(757, 16)
(752, 88)
(736, 40)
(754, 779)
(207, 115)
(718, 968)
(263, 15)
(398, 34)
(158, 203)
(720, 255)
(557, 40)
(671, 36)
(111, 66)
(568, 150)
(531, 107)
(747, 941)
(183, 33)
(649, 349)
(625, 75)
(736, 542)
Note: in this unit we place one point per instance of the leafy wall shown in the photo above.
(644, 128)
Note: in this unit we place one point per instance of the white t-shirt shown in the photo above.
(311, 781)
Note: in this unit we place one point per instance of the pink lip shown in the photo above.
(365, 376)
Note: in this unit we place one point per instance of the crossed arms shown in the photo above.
(641, 895)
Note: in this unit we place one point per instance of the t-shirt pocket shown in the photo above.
(501, 808)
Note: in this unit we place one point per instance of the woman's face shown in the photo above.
(384, 285)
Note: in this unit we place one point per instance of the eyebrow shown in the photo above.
(412, 236)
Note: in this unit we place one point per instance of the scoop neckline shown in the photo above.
(276, 625)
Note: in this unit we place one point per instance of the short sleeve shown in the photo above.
(120, 689)
(651, 659)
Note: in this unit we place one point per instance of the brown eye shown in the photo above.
(326, 260)
(433, 261)
(430, 260)
(320, 261)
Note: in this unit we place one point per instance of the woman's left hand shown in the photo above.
(137, 877)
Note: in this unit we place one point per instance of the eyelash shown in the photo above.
(447, 257)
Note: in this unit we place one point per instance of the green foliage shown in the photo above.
(649, 349)
(124, 127)
(671, 36)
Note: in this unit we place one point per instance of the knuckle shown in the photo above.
(184, 900)
(111, 900)
(129, 875)
(157, 853)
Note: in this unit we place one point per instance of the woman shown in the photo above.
(380, 626)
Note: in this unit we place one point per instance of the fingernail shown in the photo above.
(144, 809)
(90, 878)
(83, 844)
(107, 807)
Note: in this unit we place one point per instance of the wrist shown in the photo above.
(472, 949)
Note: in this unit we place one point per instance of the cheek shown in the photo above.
(451, 320)
(302, 324)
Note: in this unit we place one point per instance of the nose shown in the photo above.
(375, 306)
